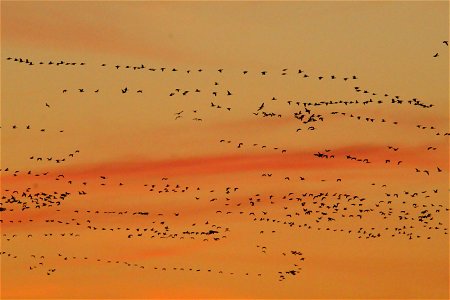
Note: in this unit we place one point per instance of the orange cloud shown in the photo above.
(291, 160)
(33, 26)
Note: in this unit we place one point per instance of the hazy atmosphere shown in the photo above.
(239, 150)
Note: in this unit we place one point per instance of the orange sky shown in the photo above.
(226, 198)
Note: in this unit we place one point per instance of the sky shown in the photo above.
(224, 150)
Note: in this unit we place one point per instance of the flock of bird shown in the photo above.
(407, 214)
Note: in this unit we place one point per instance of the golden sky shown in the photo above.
(239, 150)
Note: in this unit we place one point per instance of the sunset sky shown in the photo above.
(239, 150)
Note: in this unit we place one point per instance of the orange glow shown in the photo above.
(224, 150)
